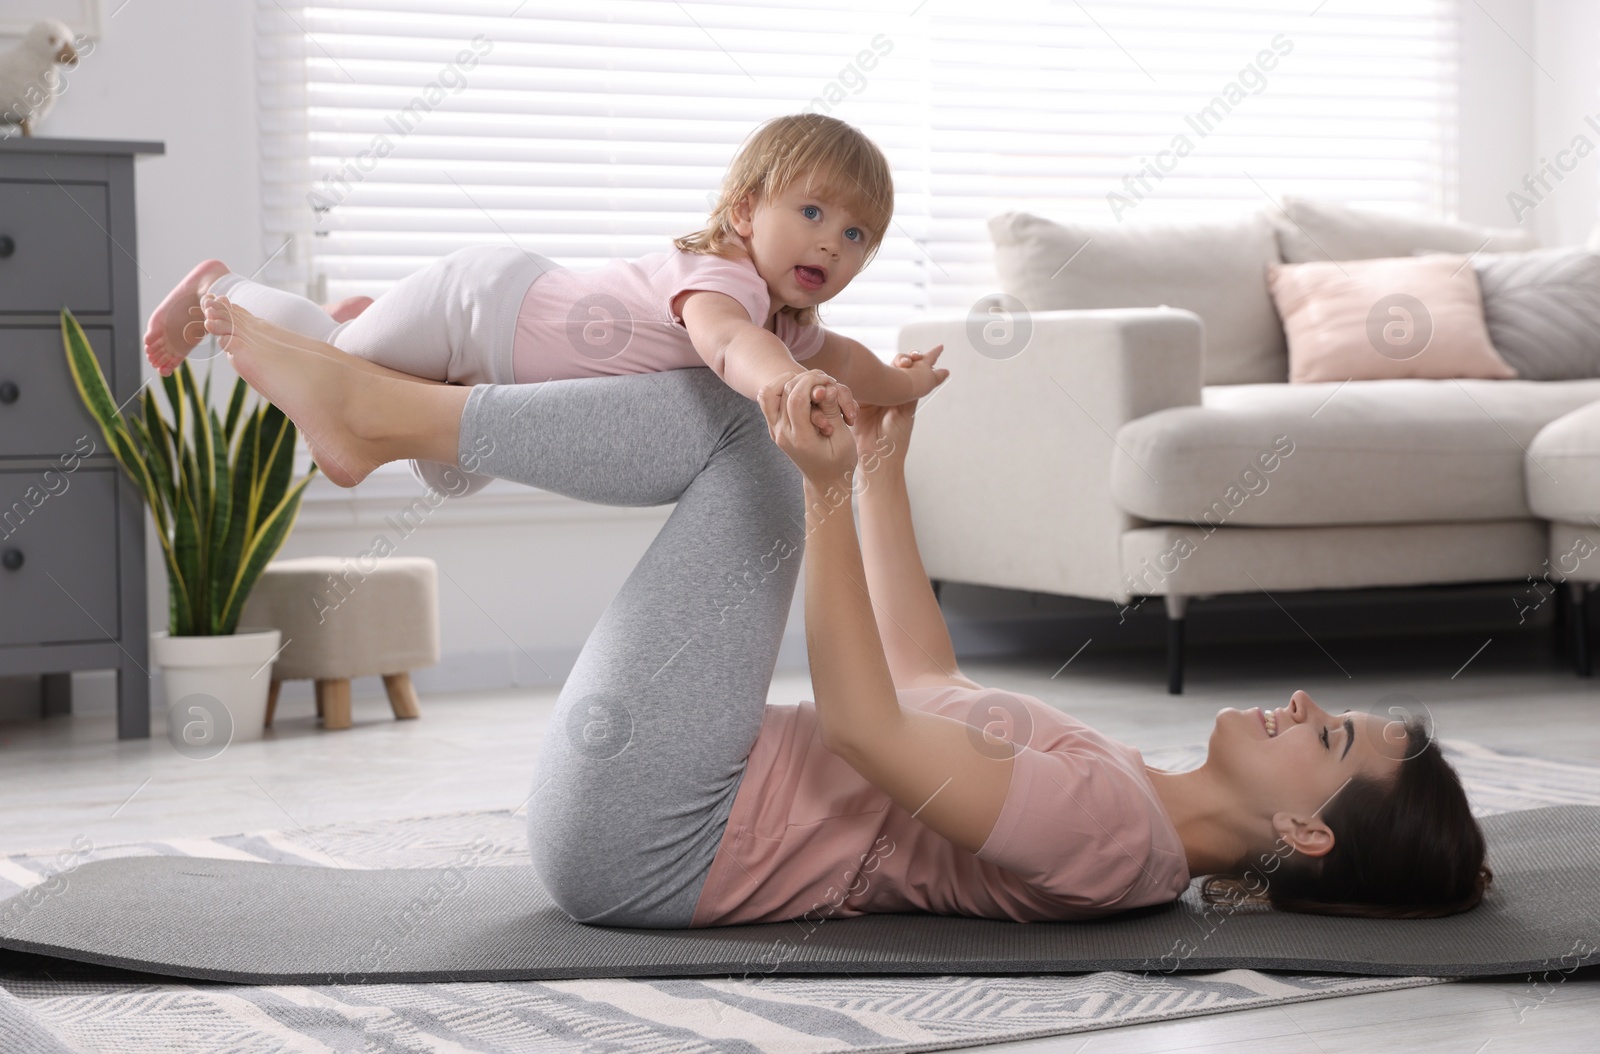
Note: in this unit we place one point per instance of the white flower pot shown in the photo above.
(216, 687)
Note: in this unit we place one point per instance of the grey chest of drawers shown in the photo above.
(72, 559)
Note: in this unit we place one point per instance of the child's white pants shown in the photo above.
(453, 321)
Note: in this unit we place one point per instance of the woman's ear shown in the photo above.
(1310, 837)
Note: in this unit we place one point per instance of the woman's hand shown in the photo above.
(883, 433)
(821, 457)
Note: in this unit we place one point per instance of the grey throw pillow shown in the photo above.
(1311, 230)
(1543, 311)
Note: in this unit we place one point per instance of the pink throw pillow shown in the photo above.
(1375, 319)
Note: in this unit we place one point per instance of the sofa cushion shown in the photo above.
(1563, 468)
(1415, 316)
(1311, 230)
(1391, 451)
(1216, 270)
(1543, 311)
(1181, 559)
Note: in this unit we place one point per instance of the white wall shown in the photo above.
(1496, 103)
(1566, 90)
(1528, 78)
(523, 575)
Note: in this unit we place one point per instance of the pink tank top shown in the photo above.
(1082, 832)
(618, 319)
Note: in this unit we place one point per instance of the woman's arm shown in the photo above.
(916, 639)
(928, 764)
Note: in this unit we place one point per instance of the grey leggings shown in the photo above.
(640, 762)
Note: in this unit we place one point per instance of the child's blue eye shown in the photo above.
(858, 234)
(808, 209)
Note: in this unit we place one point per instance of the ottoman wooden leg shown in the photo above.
(272, 702)
(402, 697)
(334, 695)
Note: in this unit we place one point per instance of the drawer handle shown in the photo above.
(8, 391)
(7, 246)
(12, 558)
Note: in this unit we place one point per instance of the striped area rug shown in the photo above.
(77, 1008)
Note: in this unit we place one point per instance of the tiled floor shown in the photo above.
(70, 777)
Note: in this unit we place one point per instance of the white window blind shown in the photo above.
(394, 131)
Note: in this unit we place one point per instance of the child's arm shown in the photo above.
(747, 357)
(869, 378)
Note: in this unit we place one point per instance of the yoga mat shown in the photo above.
(244, 922)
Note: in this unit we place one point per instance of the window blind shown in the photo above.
(395, 131)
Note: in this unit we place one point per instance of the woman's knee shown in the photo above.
(600, 882)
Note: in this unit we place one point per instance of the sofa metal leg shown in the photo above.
(1579, 616)
(1175, 612)
(1561, 619)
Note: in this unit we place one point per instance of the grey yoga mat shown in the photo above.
(229, 920)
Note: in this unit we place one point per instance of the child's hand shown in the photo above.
(827, 393)
(920, 368)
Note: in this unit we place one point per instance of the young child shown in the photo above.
(804, 207)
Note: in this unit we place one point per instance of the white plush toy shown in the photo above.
(29, 82)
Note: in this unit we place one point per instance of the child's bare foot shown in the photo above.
(327, 400)
(348, 308)
(177, 326)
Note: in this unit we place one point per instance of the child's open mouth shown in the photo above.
(810, 277)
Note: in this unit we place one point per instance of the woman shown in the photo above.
(668, 794)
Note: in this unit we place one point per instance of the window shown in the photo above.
(394, 131)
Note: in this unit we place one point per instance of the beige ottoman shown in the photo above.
(1563, 478)
(344, 618)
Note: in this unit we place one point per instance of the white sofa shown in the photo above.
(1118, 425)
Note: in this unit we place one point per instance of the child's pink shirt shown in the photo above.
(618, 319)
(1082, 832)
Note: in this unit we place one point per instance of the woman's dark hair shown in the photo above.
(1406, 849)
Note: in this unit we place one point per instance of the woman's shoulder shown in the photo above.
(973, 702)
(959, 687)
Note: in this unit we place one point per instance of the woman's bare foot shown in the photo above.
(330, 403)
(177, 326)
(348, 308)
(320, 347)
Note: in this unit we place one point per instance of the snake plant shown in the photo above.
(222, 509)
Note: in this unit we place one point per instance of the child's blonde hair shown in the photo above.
(849, 168)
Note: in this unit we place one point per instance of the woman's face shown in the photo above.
(1309, 759)
(806, 249)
